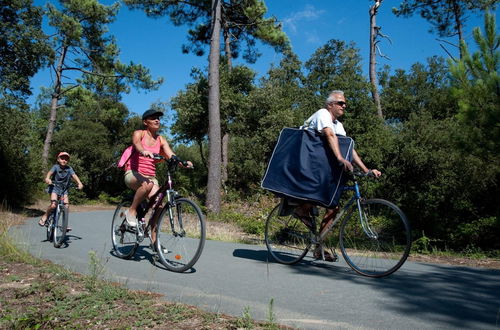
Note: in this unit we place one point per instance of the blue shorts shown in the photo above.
(59, 190)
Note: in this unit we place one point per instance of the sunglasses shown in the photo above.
(341, 103)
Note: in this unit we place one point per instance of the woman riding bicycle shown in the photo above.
(140, 169)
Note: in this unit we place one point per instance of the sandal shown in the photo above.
(42, 221)
(328, 257)
(306, 220)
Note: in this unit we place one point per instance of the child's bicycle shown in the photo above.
(178, 222)
(57, 221)
(375, 237)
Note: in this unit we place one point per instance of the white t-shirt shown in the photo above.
(321, 119)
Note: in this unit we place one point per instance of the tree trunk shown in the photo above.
(214, 128)
(373, 56)
(53, 109)
(458, 21)
(225, 158)
(225, 138)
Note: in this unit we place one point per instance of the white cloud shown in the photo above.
(313, 38)
(308, 14)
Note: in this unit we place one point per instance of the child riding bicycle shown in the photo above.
(58, 179)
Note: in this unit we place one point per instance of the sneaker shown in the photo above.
(131, 220)
(328, 256)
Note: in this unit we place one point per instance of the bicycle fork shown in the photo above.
(171, 205)
(363, 219)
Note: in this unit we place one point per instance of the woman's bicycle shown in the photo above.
(57, 221)
(178, 223)
(374, 239)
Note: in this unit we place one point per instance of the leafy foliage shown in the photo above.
(24, 48)
(476, 82)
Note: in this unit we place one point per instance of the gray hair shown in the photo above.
(330, 98)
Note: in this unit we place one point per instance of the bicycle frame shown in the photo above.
(355, 198)
(166, 190)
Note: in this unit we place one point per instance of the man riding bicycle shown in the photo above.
(325, 121)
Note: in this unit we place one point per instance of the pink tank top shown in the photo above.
(141, 164)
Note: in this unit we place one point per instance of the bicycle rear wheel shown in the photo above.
(123, 237)
(287, 238)
(60, 226)
(180, 235)
(378, 245)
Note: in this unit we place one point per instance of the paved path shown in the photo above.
(231, 278)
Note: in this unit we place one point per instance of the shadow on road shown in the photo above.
(144, 252)
(459, 297)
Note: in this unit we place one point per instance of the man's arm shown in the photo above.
(333, 142)
(357, 160)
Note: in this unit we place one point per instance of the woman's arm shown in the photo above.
(165, 149)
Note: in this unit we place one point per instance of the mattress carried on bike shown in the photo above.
(303, 167)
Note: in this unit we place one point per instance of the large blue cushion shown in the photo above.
(303, 167)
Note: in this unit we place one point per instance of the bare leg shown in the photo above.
(327, 219)
(52, 206)
(140, 194)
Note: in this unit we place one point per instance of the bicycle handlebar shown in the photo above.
(362, 174)
(173, 161)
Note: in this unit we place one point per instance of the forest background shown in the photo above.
(437, 141)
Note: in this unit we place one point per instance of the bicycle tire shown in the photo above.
(180, 247)
(50, 227)
(60, 226)
(381, 248)
(123, 238)
(287, 238)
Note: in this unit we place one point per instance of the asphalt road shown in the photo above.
(234, 278)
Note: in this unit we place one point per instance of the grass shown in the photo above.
(36, 294)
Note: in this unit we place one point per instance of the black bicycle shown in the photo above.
(57, 221)
(375, 236)
(178, 223)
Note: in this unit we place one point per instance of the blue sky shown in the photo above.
(309, 24)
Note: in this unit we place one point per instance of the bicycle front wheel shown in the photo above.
(287, 238)
(50, 226)
(123, 237)
(180, 235)
(375, 239)
(60, 226)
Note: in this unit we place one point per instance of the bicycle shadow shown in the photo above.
(67, 241)
(308, 265)
(144, 252)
